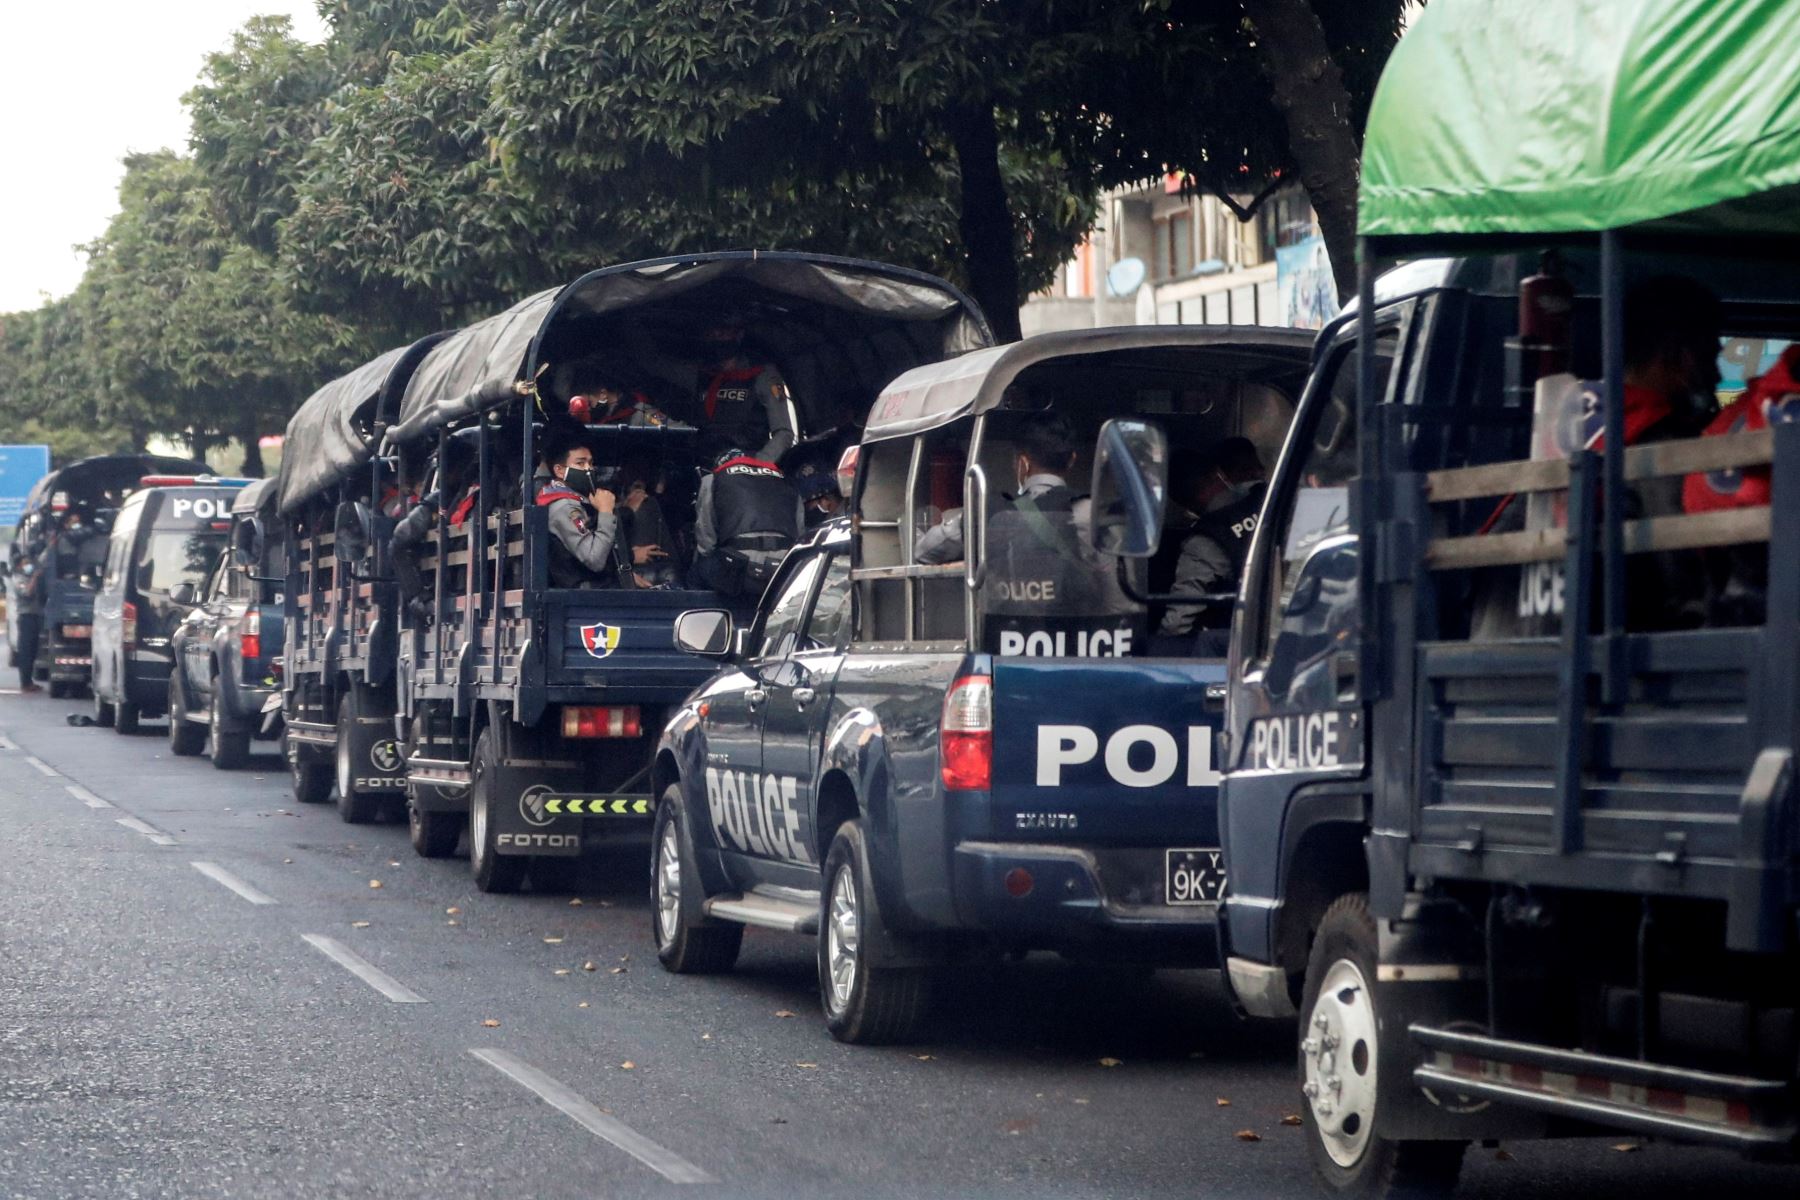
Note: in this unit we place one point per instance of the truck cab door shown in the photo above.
(1295, 712)
(734, 708)
(798, 708)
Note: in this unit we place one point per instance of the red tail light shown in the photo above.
(589, 721)
(128, 625)
(250, 636)
(846, 470)
(966, 734)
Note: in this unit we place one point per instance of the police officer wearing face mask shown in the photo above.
(584, 526)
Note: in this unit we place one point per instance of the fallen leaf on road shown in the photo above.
(1503, 1156)
(588, 966)
(1081, 1099)
(552, 941)
(453, 921)
(1290, 1119)
(627, 1065)
(924, 1057)
(359, 924)
(583, 1004)
(562, 970)
(615, 971)
(490, 1023)
(1109, 1062)
(1247, 1135)
(1017, 1127)
(374, 883)
(575, 903)
(782, 1012)
(287, 860)
(706, 1037)
(392, 862)
(606, 904)
(1628, 1147)
(452, 910)
(1222, 1102)
(807, 1066)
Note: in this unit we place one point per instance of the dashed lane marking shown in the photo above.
(42, 767)
(86, 797)
(221, 876)
(569, 1102)
(148, 830)
(363, 969)
(7, 743)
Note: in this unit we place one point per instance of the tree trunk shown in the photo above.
(985, 219)
(253, 459)
(199, 442)
(1309, 92)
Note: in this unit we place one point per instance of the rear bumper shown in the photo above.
(1069, 907)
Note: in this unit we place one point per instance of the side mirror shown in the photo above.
(706, 632)
(182, 595)
(351, 532)
(246, 543)
(1130, 489)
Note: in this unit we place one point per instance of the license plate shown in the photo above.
(1193, 876)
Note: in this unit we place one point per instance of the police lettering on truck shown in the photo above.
(1316, 741)
(758, 816)
(202, 508)
(1060, 746)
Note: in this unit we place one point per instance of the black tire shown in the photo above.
(553, 876)
(61, 689)
(229, 749)
(310, 775)
(687, 942)
(185, 738)
(864, 1005)
(104, 713)
(494, 872)
(356, 808)
(1337, 1039)
(434, 834)
(128, 719)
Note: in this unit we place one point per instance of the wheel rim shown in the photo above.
(1339, 1053)
(478, 823)
(842, 940)
(668, 885)
(341, 754)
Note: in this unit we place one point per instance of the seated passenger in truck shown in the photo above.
(1045, 455)
(750, 515)
(1221, 488)
(585, 549)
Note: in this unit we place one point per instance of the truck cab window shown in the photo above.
(826, 624)
(783, 622)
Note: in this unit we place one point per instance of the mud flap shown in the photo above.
(377, 763)
(525, 819)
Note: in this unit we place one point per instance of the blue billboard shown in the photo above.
(20, 467)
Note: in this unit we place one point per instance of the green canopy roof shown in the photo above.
(1497, 118)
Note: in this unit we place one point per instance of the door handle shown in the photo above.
(754, 697)
(804, 696)
(1343, 674)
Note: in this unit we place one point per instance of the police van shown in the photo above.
(164, 543)
(994, 749)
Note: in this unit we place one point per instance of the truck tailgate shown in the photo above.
(1105, 752)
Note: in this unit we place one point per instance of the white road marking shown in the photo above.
(220, 875)
(363, 969)
(86, 797)
(7, 743)
(569, 1102)
(42, 767)
(150, 831)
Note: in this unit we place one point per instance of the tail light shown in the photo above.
(128, 625)
(591, 721)
(250, 636)
(846, 470)
(966, 734)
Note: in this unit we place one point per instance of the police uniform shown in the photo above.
(1047, 593)
(749, 515)
(1213, 553)
(748, 405)
(583, 541)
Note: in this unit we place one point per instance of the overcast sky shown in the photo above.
(82, 84)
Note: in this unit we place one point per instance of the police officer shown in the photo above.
(744, 403)
(584, 526)
(28, 595)
(1223, 487)
(819, 493)
(454, 477)
(748, 516)
(1045, 455)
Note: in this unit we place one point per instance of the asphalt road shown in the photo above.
(204, 993)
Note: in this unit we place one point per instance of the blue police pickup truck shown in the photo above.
(955, 726)
(226, 646)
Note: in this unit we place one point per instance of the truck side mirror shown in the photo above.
(706, 632)
(1130, 488)
(182, 595)
(246, 543)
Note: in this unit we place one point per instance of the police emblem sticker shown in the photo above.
(600, 639)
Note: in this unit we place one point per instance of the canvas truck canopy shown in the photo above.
(942, 392)
(1660, 116)
(838, 328)
(335, 431)
(89, 477)
(258, 497)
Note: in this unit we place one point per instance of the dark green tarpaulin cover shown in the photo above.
(1498, 117)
